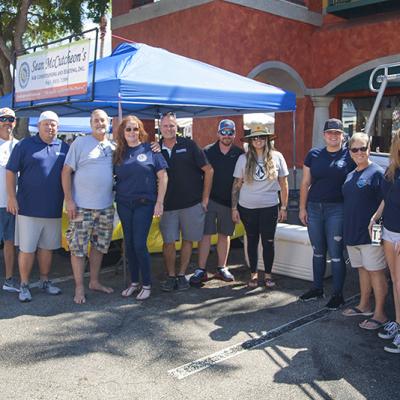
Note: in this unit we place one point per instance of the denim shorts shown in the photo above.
(7, 225)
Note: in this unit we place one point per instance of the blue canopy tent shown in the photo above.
(147, 81)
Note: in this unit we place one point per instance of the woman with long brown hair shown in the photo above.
(259, 175)
(141, 183)
(389, 210)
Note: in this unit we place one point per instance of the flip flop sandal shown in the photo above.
(144, 293)
(253, 283)
(132, 288)
(269, 283)
(371, 324)
(355, 311)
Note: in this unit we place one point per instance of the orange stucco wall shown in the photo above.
(239, 38)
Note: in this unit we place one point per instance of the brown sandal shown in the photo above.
(253, 283)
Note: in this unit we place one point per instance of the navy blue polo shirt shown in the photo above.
(185, 176)
(391, 195)
(39, 165)
(223, 165)
(328, 173)
(136, 176)
(362, 196)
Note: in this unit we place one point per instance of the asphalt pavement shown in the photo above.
(222, 341)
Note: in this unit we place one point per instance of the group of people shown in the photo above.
(196, 193)
(343, 196)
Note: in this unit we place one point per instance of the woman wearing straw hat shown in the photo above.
(259, 175)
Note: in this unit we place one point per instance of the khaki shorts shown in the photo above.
(94, 226)
(32, 233)
(370, 257)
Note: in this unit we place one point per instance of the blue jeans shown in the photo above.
(136, 218)
(325, 229)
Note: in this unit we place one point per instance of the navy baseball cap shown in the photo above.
(226, 124)
(333, 124)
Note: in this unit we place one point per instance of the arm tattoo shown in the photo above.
(237, 184)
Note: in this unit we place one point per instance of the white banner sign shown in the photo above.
(57, 72)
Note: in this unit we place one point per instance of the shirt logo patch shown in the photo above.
(259, 173)
(340, 163)
(362, 183)
(181, 151)
(141, 157)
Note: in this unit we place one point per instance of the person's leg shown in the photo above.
(78, 269)
(25, 263)
(223, 245)
(204, 250)
(250, 218)
(126, 215)
(169, 227)
(268, 221)
(142, 220)
(365, 290)
(185, 254)
(334, 239)
(316, 232)
(380, 288)
(45, 258)
(100, 243)
(9, 258)
(169, 254)
(391, 258)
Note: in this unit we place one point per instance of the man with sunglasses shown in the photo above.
(7, 220)
(222, 156)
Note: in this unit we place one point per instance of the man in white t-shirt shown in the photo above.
(7, 220)
(87, 182)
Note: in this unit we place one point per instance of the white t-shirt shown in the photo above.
(261, 192)
(92, 180)
(6, 147)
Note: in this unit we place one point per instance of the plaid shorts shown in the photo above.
(94, 226)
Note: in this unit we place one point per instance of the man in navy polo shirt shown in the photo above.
(222, 155)
(38, 202)
(186, 200)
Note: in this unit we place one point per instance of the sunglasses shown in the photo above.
(227, 132)
(254, 138)
(129, 129)
(363, 149)
(5, 119)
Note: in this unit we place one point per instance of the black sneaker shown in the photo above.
(335, 302)
(182, 283)
(199, 276)
(169, 285)
(313, 294)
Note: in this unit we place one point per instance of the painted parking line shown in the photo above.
(206, 362)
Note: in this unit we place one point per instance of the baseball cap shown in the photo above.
(48, 115)
(333, 124)
(7, 112)
(226, 124)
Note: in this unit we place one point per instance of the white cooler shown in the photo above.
(293, 253)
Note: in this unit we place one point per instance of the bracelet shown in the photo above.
(283, 208)
(234, 209)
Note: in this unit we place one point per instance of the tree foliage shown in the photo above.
(24, 23)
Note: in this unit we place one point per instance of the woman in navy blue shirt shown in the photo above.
(141, 183)
(390, 212)
(362, 196)
(321, 209)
